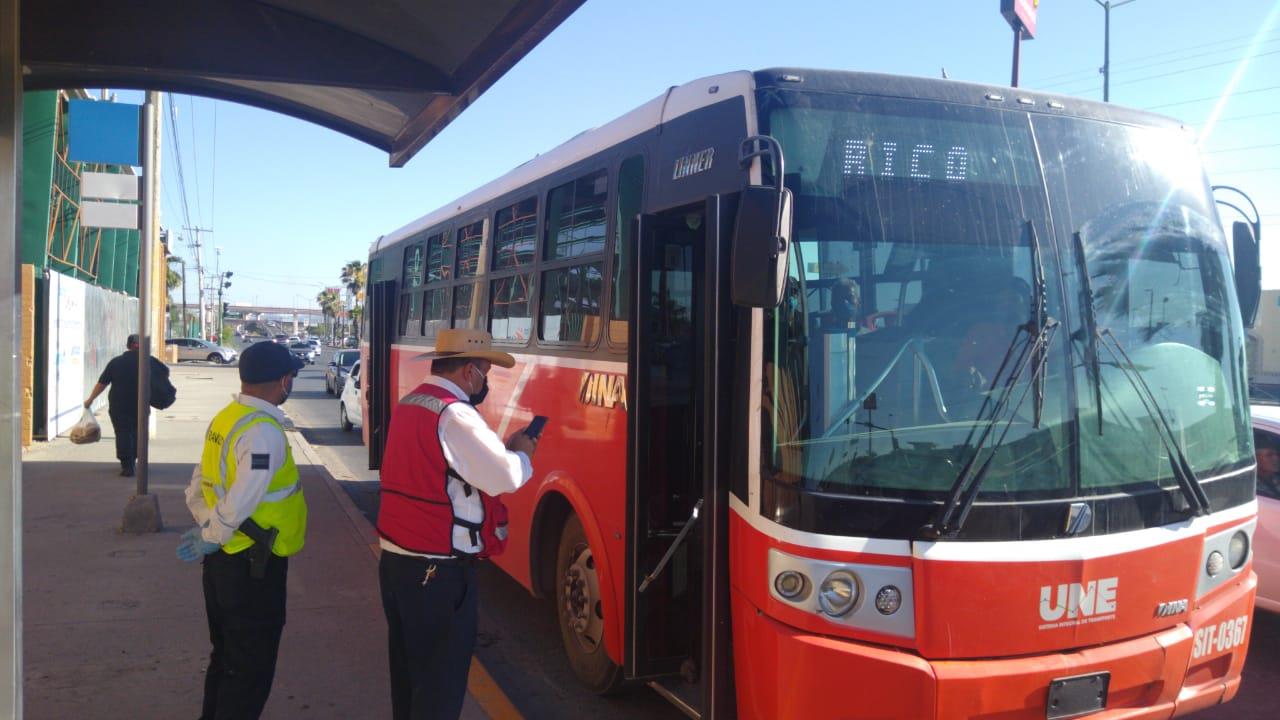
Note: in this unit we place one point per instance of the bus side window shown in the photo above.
(515, 248)
(470, 249)
(630, 187)
(575, 232)
(411, 299)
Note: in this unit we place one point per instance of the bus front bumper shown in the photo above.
(784, 673)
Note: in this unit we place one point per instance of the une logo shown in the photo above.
(1077, 600)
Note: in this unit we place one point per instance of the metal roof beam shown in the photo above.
(233, 39)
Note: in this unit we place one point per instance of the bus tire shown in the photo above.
(579, 608)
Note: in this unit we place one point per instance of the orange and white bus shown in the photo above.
(869, 397)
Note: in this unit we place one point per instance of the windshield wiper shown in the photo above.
(1038, 316)
(1182, 470)
(964, 491)
(1090, 325)
(1040, 329)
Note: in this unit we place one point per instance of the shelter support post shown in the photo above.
(10, 412)
(142, 514)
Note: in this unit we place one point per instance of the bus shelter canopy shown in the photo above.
(391, 73)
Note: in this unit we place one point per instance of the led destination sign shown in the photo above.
(921, 161)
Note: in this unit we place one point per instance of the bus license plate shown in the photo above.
(1076, 696)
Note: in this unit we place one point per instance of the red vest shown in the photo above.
(414, 511)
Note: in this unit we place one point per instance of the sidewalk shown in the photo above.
(114, 625)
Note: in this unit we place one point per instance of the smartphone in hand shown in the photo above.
(535, 428)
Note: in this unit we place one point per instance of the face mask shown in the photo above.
(287, 386)
(478, 397)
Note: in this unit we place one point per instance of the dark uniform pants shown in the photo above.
(246, 617)
(126, 430)
(431, 631)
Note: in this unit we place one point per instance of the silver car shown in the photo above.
(196, 349)
(304, 351)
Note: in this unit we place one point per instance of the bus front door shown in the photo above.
(667, 558)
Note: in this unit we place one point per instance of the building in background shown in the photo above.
(79, 284)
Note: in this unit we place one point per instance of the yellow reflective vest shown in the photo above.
(282, 506)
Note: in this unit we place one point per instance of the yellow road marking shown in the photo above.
(488, 695)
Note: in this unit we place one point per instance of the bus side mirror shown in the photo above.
(1248, 269)
(761, 245)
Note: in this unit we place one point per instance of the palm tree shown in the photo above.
(329, 303)
(353, 277)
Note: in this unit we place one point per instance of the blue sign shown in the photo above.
(103, 132)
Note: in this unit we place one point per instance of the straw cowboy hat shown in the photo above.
(458, 343)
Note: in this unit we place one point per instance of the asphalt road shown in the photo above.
(519, 642)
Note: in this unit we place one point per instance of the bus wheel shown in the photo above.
(581, 613)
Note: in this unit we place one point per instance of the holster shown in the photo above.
(260, 551)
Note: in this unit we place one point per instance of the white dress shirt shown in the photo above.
(475, 452)
(220, 522)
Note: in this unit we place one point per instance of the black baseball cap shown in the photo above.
(267, 361)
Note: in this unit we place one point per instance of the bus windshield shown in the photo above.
(919, 229)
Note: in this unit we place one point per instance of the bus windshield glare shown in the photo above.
(917, 231)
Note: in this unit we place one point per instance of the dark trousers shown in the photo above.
(126, 429)
(246, 617)
(431, 631)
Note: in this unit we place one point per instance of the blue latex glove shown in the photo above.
(193, 547)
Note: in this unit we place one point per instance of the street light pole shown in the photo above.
(1106, 45)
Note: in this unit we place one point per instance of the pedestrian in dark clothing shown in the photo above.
(121, 374)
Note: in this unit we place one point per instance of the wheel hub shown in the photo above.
(581, 597)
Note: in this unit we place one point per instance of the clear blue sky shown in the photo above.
(290, 203)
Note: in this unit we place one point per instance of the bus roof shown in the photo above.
(681, 99)
(955, 92)
(676, 101)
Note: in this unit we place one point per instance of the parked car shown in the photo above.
(1266, 538)
(350, 409)
(197, 349)
(304, 351)
(351, 342)
(335, 375)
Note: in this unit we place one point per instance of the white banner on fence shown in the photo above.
(66, 392)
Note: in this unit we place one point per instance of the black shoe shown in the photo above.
(126, 471)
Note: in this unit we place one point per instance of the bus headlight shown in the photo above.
(839, 593)
(1215, 563)
(790, 584)
(1238, 550)
(888, 600)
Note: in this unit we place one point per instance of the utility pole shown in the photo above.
(1106, 45)
(195, 245)
(184, 325)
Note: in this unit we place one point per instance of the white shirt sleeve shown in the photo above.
(259, 441)
(477, 453)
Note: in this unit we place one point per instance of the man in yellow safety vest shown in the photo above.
(247, 501)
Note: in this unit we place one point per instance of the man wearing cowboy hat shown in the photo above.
(441, 472)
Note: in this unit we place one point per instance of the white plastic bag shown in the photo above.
(87, 430)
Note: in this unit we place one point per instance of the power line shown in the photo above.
(1211, 97)
(214, 172)
(177, 157)
(1193, 69)
(1093, 74)
(1238, 149)
(1250, 170)
(1244, 117)
(195, 157)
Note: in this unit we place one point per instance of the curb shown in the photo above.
(480, 684)
(368, 536)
